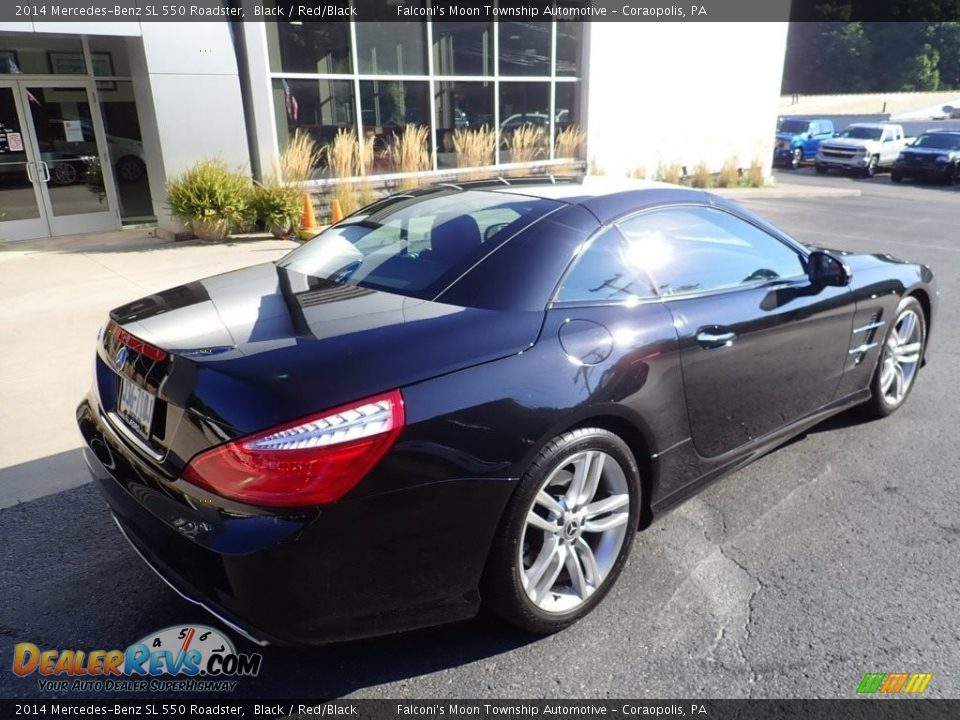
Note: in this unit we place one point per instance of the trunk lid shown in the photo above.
(256, 347)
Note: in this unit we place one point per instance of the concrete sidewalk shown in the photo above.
(54, 296)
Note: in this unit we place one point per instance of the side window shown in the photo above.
(698, 249)
(611, 268)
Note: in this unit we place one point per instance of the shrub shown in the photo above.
(729, 175)
(408, 153)
(525, 144)
(298, 159)
(211, 199)
(701, 175)
(569, 142)
(278, 206)
(670, 173)
(638, 173)
(755, 173)
(474, 148)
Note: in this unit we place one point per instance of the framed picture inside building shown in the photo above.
(71, 63)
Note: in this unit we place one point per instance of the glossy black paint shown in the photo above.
(484, 390)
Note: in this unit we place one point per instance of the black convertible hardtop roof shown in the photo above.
(607, 198)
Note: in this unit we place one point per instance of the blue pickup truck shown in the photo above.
(797, 140)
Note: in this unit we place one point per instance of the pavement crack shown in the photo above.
(748, 622)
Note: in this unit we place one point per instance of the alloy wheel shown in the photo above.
(901, 357)
(574, 531)
(796, 158)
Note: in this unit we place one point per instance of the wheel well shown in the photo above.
(924, 301)
(631, 435)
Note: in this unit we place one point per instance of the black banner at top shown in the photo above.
(99, 11)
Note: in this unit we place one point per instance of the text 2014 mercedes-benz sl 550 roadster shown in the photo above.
(474, 395)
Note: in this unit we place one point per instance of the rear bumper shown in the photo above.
(384, 563)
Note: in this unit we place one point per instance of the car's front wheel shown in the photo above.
(900, 359)
(566, 533)
(796, 158)
(871, 169)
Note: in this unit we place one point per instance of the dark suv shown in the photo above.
(932, 156)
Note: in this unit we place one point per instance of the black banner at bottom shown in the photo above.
(894, 708)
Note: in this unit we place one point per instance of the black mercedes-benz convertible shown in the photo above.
(474, 395)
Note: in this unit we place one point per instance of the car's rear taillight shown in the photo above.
(135, 343)
(313, 461)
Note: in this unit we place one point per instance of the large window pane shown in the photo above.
(461, 105)
(569, 48)
(317, 107)
(525, 48)
(393, 48)
(125, 148)
(387, 107)
(23, 54)
(463, 48)
(567, 112)
(525, 105)
(322, 47)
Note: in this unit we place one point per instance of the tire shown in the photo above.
(821, 169)
(561, 594)
(896, 177)
(871, 169)
(905, 353)
(796, 157)
(130, 169)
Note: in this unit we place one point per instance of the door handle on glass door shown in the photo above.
(715, 338)
(46, 171)
(30, 176)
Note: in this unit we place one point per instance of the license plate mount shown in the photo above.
(135, 406)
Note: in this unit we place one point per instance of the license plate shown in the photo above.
(136, 406)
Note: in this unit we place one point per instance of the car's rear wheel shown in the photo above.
(900, 359)
(796, 158)
(566, 533)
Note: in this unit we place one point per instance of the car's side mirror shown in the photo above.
(826, 270)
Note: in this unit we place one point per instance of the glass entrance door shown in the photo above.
(55, 183)
(65, 123)
(21, 204)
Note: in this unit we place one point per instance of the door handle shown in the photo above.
(46, 171)
(715, 338)
(30, 176)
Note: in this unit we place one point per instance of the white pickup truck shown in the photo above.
(862, 147)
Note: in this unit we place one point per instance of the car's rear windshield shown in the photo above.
(417, 246)
(938, 141)
(794, 126)
(862, 133)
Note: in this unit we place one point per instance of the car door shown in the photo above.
(812, 140)
(760, 344)
(890, 146)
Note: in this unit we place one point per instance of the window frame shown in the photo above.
(801, 250)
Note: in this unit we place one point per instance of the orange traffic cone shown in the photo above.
(308, 221)
(336, 214)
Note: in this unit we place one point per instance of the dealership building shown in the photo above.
(95, 117)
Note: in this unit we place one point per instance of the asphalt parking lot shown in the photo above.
(832, 557)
